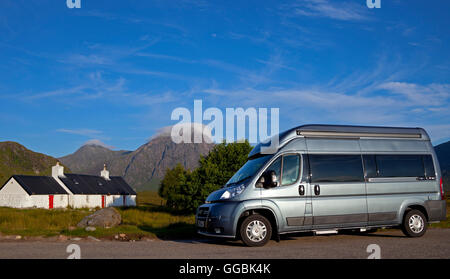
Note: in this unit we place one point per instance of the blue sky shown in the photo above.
(113, 71)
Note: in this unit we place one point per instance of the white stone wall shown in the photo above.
(86, 201)
(43, 201)
(13, 195)
(39, 201)
(92, 201)
(60, 201)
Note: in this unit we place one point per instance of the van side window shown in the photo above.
(400, 166)
(370, 166)
(305, 169)
(429, 167)
(291, 169)
(336, 168)
(276, 167)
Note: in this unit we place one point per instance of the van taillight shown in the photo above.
(441, 186)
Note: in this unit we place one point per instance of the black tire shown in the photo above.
(262, 238)
(414, 223)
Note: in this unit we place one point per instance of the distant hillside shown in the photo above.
(443, 154)
(142, 168)
(16, 159)
(89, 159)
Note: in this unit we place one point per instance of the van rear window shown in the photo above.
(400, 166)
(336, 168)
(430, 172)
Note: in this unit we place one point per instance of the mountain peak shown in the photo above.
(96, 142)
(196, 129)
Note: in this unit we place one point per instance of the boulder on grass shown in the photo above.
(106, 217)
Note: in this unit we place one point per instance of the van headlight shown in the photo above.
(232, 192)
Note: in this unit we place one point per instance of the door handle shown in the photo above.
(301, 190)
(317, 190)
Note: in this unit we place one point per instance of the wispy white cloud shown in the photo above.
(81, 132)
(421, 95)
(337, 10)
(51, 94)
(95, 87)
(86, 60)
(133, 19)
(165, 57)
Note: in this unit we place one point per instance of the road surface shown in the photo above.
(435, 244)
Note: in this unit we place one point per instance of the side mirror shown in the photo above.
(268, 180)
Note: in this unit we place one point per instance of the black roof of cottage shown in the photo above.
(39, 185)
(96, 185)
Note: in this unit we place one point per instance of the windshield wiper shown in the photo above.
(239, 181)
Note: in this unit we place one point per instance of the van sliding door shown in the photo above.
(338, 189)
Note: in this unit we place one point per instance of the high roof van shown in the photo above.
(326, 178)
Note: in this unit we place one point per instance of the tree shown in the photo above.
(172, 185)
(186, 190)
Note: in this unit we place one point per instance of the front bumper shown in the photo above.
(216, 219)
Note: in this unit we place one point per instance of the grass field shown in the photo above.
(149, 219)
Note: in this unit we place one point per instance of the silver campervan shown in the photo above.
(325, 178)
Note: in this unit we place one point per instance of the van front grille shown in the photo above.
(203, 212)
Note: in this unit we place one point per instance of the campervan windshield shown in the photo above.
(248, 170)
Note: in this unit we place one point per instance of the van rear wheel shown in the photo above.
(256, 230)
(414, 223)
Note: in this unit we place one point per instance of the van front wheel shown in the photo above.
(414, 223)
(256, 230)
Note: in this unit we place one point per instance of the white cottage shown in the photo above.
(22, 191)
(63, 190)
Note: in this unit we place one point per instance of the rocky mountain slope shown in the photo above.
(89, 159)
(142, 168)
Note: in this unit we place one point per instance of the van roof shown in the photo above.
(360, 131)
(346, 131)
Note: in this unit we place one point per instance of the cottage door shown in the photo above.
(50, 201)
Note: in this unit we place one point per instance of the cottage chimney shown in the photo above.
(104, 173)
(58, 170)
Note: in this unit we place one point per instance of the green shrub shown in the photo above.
(185, 190)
